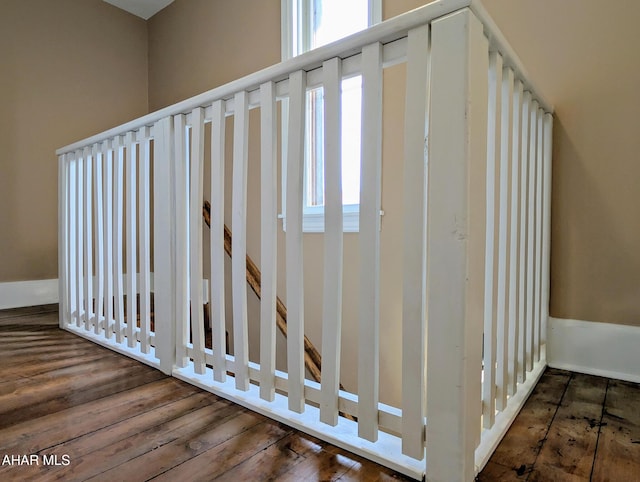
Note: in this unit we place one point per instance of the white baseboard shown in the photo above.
(602, 349)
(28, 293)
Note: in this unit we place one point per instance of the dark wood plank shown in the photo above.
(224, 439)
(98, 453)
(13, 313)
(362, 470)
(520, 447)
(569, 448)
(275, 460)
(38, 366)
(163, 418)
(618, 453)
(494, 471)
(365, 472)
(227, 454)
(74, 423)
(325, 465)
(39, 402)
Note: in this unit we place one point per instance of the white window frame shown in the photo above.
(294, 42)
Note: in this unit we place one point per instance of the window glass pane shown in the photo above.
(314, 149)
(330, 21)
(334, 19)
(351, 128)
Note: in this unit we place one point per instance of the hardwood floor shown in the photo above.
(71, 410)
(574, 428)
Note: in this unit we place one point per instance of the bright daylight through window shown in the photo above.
(312, 24)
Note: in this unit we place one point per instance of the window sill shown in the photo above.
(314, 222)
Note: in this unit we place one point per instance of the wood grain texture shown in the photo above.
(618, 454)
(117, 419)
(520, 447)
(570, 445)
(574, 427)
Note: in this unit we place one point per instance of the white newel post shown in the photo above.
(455, 243)
(163, 220)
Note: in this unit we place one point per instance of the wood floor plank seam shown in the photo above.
(275, 460)
(17, 414)
(274, 443)
(230, 413)
(111, 425)
(123, 420)
(546, 435)
(151, 430)
(119, 446)
(214, 447)
(252, 433)
(604, 411)
(7, 432)
(39, 310)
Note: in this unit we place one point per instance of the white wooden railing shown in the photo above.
(477, 166)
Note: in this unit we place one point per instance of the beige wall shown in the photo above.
(68, 69)
(584, 55)
(195, 45)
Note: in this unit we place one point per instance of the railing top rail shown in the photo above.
(499, 43)
(384, 32)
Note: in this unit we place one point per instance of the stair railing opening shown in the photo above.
(430, 322)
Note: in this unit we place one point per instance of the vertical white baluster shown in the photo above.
(415, 244)
(217, 298)
(163, 229)
(144, 243)
(63, 272)
(370, 203)
(88, 238)
(181, 176)
(546, 222)
(533, 125)
(72, 227)
(515, 245)
(502, 348)
(294, 251)
(239, 240)
(107, 178)
(456, 237)
(118, 235)
(196, 195)
(493, 199)
(268, 238)
(539, 227)
(80, 238)
(524, 236)
(131, 245)
(333, 253)
(99, 239)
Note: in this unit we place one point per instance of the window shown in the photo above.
(308, 24)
